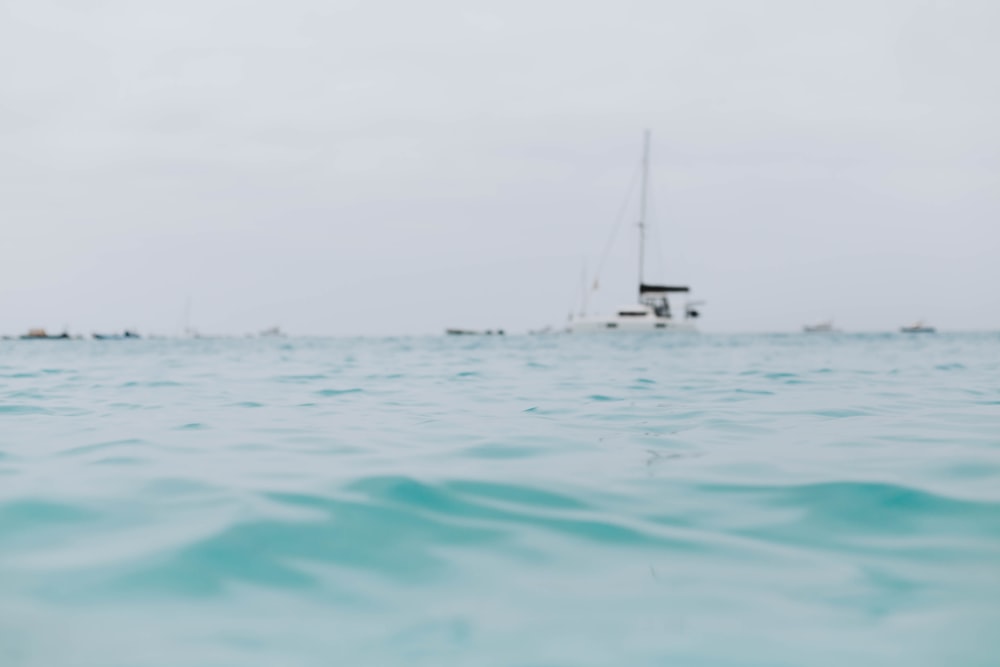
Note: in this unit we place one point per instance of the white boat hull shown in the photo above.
(628, 325)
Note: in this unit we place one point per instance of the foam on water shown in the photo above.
(554, 500)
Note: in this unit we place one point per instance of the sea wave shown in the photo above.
(771, 500)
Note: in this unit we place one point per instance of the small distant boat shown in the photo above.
(917, 327)
(473, 332)
(40, 334)
(272, 332)
(122, 336)
(820, 327)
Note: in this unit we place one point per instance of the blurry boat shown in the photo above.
(473, 332)
(122, 336)
(820, 327)
(40, 334)
(917, 327)
(653, 310)
(272, 332)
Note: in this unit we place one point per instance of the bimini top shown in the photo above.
(660, 289)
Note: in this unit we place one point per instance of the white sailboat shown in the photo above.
(653, 311)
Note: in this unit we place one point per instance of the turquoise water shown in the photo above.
(517, 501)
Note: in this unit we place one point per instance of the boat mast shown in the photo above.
(642, 206)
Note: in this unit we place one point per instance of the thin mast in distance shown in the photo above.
(642, 205)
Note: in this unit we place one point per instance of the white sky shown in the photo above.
(399, 167)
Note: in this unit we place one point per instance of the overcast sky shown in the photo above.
(399, 167)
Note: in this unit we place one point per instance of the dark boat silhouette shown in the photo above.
(40, 334)
(917, 327)
(122, 336)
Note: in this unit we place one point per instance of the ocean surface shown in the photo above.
(536, 501)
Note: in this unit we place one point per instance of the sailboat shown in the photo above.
(653, 311)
